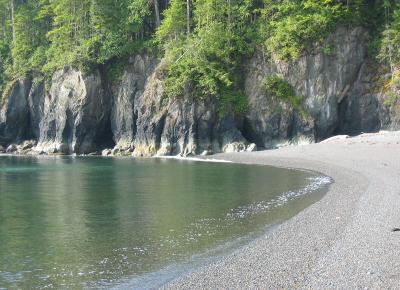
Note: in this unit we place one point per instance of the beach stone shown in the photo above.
(206, 152)
(2, 149)
(165, 150)
(106, 152)
(125, 152)
(234, 147)
(115, 151)
(252, 147)
(12, 148)
(27, 145)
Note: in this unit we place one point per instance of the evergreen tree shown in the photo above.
(203, 41)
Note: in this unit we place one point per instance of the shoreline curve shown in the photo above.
(344, 240)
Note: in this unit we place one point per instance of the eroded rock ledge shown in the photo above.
(88, 114)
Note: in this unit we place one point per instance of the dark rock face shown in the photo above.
(182, 126)
(75, 113)
(150, 111)
(193, 127)
(393, 120)
(124, 105)
(36, 103)
(14, 113)
(334, 88)
(341, 95)
(85, 114)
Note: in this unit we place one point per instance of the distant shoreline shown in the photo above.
(345, 240)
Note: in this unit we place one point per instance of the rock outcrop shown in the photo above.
(124, 112)
(75, 113)
(85, 114)
(193, 127)
(15, 113)
(36, 107)
(336, 87)
(171, 126)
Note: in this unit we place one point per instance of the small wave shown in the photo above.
(193, 159)
(264, 206)
(198, 230)
(213, 225)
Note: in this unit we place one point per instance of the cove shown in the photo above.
(81, 222)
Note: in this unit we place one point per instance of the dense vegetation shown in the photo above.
(203, 41)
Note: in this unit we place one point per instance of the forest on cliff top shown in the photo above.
(203, 42)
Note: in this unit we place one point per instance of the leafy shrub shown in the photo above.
(235, 101)
(289, 27)
(207, 60)
(277, 87)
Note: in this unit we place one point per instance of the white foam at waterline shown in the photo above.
(193, 159)
(158, 278)
(264, 206)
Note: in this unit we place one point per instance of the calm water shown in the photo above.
(75, 223)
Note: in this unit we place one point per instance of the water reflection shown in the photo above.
(70, 222)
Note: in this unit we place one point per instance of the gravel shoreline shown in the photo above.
(345, 240)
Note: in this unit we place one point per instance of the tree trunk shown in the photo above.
(188, 16)
(229, 13)
(157, 12)
(13, 19)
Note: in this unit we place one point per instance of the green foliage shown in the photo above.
(115, 69)
(289, 27)
(6, 90)
(328, 50)
(389, 42)
(174, 24)
(204, 42)
(232, 101)
(391, 98)
(276, 86)
(96, 31)
(206, 62)
(386, 45)
(5, 64)
(391, 88)
(48, 34)
(29, 46)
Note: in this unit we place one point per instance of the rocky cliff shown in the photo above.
(339, 90)
(146, 122)
(83, 114)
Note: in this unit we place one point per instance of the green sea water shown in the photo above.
(76, 222)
